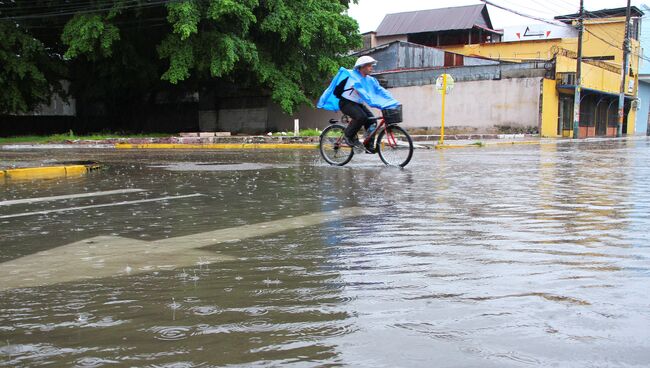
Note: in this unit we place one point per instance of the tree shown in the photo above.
(288, 48)
(29, 73)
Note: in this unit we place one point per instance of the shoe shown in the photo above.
(350, 141)
(355, 144)
(368, 147)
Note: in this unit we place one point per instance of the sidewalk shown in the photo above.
(26, 170)
(260, 142)
(287, 142)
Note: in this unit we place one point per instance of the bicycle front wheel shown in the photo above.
(333, 148)
(395, 146)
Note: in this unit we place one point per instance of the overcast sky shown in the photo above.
(369, 13)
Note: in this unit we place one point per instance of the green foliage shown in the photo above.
(28, 75)
(184, 17)
(290, 47)
(89, 35)
(123, 51)
(181, 58)
(301, 133)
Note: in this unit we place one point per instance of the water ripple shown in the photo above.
(170, 333)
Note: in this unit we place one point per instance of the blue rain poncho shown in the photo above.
(368, 89)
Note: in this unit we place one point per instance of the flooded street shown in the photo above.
(531, 255)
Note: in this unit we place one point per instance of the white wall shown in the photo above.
(476, 104)
(537, 32)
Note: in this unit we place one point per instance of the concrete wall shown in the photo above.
(480, 105)
(483, 96)
(408, 78)
(57, 106)
(369, 40)
(388, 39)
(252, 120)
(309, 117)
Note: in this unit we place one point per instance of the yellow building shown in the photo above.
(602, 49)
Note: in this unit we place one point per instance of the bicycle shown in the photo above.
(393, 144)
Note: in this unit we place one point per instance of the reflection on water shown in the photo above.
(498, 257)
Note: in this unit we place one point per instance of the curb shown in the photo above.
(46, 172)
(214, 146)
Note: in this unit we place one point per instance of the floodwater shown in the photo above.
(480, 257)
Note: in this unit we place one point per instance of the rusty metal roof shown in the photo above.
(433, 20)
(603, 13)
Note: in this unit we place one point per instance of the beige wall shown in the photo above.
(476, 104)
(388, 39)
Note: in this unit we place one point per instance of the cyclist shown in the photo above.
(350, 90)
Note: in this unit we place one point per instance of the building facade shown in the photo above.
(643, 112)
(601, 72)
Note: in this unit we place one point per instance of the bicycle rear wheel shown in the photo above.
(395, 146)
(333, 148)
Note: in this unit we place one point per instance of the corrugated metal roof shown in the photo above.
(603, 13)
(433, 20)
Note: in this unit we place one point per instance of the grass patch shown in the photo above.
(58, 138)
(301, 133)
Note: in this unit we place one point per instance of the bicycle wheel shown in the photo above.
(395, 146)
(333, 148)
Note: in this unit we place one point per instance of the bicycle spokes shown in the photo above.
(395, 146)
(333, 148)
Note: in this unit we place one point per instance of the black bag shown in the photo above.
(393, 115)
(340, 88)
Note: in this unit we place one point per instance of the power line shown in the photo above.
(561, 24)
(103, 7)
(82, 4)
(534, 10)
(565, 5)
(555, 23)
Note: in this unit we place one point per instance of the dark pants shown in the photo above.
(358, 113)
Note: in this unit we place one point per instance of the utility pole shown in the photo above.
(576, 101)
(624, 72)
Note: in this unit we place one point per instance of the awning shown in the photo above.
(571, 88)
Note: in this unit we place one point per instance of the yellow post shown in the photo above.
(444, 94)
